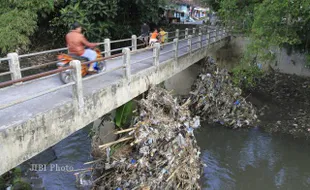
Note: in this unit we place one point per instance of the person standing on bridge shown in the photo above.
(76, 43)
(145, 32)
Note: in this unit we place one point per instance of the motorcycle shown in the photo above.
(65, 59)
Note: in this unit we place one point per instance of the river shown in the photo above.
(252, 159)
(234, 159)
(72, 152)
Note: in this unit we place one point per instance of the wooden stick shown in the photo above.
(101, 177)
(125, 130)
(91, 162)
(173, 173)
(115, 142)
(78, 170)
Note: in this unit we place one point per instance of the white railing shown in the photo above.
(203, 36)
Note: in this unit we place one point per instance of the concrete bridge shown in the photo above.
(39, 113)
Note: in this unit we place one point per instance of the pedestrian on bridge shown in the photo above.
(145, 32)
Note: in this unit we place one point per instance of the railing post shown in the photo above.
(200, 40)
(208, 39)
(14, 66)
(176, 48)
(167, 37)
(177, 32)
(107, 47)
(194, 32)
(126, 63)
(220, 33)
(156, 50)
(134, 42)
(186, 33)
(199, 31)
(217, 35)
(189, 44)
(77, 88)
(224, 31)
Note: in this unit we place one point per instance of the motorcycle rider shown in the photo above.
(76, 43)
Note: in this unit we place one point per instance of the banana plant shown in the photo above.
(124, 114)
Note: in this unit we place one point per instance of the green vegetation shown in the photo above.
(25, 22)
(246, 76)
(124, 114)
(269, 23)
(18, 21)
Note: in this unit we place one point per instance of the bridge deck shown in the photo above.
(28, 109)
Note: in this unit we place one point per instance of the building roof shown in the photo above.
(189, 2)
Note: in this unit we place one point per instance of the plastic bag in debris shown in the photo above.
(215, 99)
(164, 149)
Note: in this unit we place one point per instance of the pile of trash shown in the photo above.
(158, 152)
(215, 99)
(288, 103)
(285, 88)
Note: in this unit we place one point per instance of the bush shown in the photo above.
(246, 77)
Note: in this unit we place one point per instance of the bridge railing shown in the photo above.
(14, 60)
(204, 36)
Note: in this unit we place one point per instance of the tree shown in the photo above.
(109, 18)
(213, 4)
(18, 21)
(269, 23)
(278, 23)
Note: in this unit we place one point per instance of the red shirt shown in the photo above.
(76, 43)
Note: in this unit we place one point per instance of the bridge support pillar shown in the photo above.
(134, 42)
(126, 63)
(177, 32)
(189, 44)
(77, 88)
(186, 33)
(199, 31)
(14, 66)
(107, 47)
(156, 54)
(194, 32)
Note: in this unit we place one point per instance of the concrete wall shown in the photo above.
(230, 55)
(21, 141)
(182, 82)
(291, 64)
